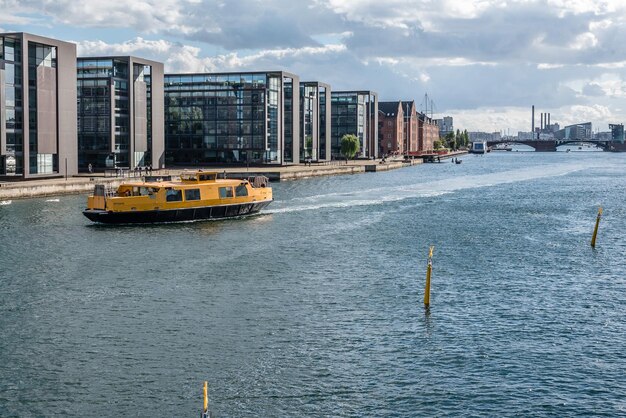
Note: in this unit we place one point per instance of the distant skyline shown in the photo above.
(483, 62)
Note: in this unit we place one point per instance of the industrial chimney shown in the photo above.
(548, 121)
(533, 122)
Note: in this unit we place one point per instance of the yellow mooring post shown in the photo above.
(595, 230)
(429, 270)
(206, 397)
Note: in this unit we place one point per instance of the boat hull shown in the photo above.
(175, 215)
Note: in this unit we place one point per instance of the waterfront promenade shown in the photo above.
(84, 183)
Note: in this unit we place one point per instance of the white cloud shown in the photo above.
(584, 41)
(178, 57)
(501, 55)
(548, 66)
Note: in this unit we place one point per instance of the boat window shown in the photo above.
(192, 194)
(173, 195)
(241, 190)
(226, 192)
(205, 177)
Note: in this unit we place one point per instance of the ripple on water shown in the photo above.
(315, 307)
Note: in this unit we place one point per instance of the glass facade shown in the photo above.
(356, 113)
(12, 158)
(313, 129)
(235, 118)
(308, 102)
(39, 56)
(41, 82)
(105, 87)
(323, 118)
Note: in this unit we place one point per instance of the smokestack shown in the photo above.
(541, 125)
(533, 121)
(548, 120)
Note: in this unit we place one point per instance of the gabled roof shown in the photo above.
(388, 108)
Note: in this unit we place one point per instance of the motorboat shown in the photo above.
(196, 196)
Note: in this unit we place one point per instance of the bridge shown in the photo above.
(551, 145)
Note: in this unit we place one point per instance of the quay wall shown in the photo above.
(29, 189)
(84, 184)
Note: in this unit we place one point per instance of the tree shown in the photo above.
(450, 140)
(349, 145)
(438, 144)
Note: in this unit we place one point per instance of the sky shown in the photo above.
(483, 62)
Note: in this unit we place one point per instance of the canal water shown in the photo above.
(315, 307)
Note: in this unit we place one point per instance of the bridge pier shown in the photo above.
(543, 146)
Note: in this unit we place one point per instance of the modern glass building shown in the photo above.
(37, 106)
(355, 112)
(232, 118)
(120, 113)
(315, 123)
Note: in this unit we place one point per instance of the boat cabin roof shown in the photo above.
(189, 179)
(198, 176)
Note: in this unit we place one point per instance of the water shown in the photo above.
(315, 308)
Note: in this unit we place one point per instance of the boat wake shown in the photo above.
(5, 202)
(382, 195)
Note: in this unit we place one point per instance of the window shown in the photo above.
(226, 192)
(192, 194)
(241, 190)
(173, 195)
(207, 177)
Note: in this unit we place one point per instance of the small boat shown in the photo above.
(458, 161)
(5, 202)
(197, 196)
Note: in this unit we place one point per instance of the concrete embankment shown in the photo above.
(85, 184)
(56, 187)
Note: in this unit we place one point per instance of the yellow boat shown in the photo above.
(199, 195)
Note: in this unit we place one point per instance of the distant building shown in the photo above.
(235, 118)
(315, 113)
(446, 125)
(37, 106)
(355, 112)
(484, 136)
(390, 128)
(120, 113)
(525, 136)
(581, 131)
(617, 132)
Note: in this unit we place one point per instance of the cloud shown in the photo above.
(179, 57)
(593, 89)
(467, 54)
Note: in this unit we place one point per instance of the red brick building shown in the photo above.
(398, 127)
(428, 133)
(390, 128)
(411, 126)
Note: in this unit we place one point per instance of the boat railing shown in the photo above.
(258, 181)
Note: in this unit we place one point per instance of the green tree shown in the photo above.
(450, 140)
(349, 145)
(438, 144)
(466, 138)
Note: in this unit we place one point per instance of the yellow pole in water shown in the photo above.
(429, 270)
(595, 231)
(206, 396)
